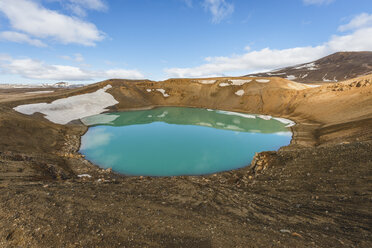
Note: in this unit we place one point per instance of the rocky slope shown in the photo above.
(313, 193)
(333, 68)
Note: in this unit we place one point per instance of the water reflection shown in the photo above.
(193, 116)
(179, 141)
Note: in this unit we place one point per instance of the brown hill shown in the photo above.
(333, 68)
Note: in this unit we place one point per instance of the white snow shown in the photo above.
(326, 80)
(236, 82)
(291, 77)
(265, 117)
(40, 92)
(224, 84)
(163, 92)
(240, 82)
(207, 81)
(309, 66)
(210, 110)
(85, 175)
(312, 85)
(148, 90)
(239, 93)
(237, 114)
(64, 110)
(288, 123)
(304, 75)
(263, 80)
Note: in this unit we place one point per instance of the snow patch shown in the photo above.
(239, 93)
(309, 66)
(236, 82)
(224, 84)
(237, 114)
(312, 85)
(148, 90)
(304, 75)
(287, 122)
(207, 81)
(265, 117)
(64, 110)
(262, 80)
(326, 80)
(163, 92)
(291, 77)
(40, 92)
(240, 82)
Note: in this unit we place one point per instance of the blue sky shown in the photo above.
(84, 41)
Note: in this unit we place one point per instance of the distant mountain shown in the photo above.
(333, 68)
(63, 85)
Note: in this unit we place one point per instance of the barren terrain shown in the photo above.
(333, 68)
(315, 192)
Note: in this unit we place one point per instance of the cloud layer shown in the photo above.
(34, 69)
(79, 7)
(33, 22)
(317, 2)
(359, 39)
(20, 38)
(220, 9)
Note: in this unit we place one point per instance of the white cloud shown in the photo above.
(188, 3)
(362, 20)
(220, 9)
(121, 73)
(79, 57)
(317, 2)
(34, 69)
(268, 59)
(360, 40)
(264, 59)
(79, 7)
(35, 20)
(89, 4)
(20, 38)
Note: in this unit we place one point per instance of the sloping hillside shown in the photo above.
(333, 68)
(313, 193)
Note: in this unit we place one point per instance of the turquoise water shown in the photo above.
(173, 141)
